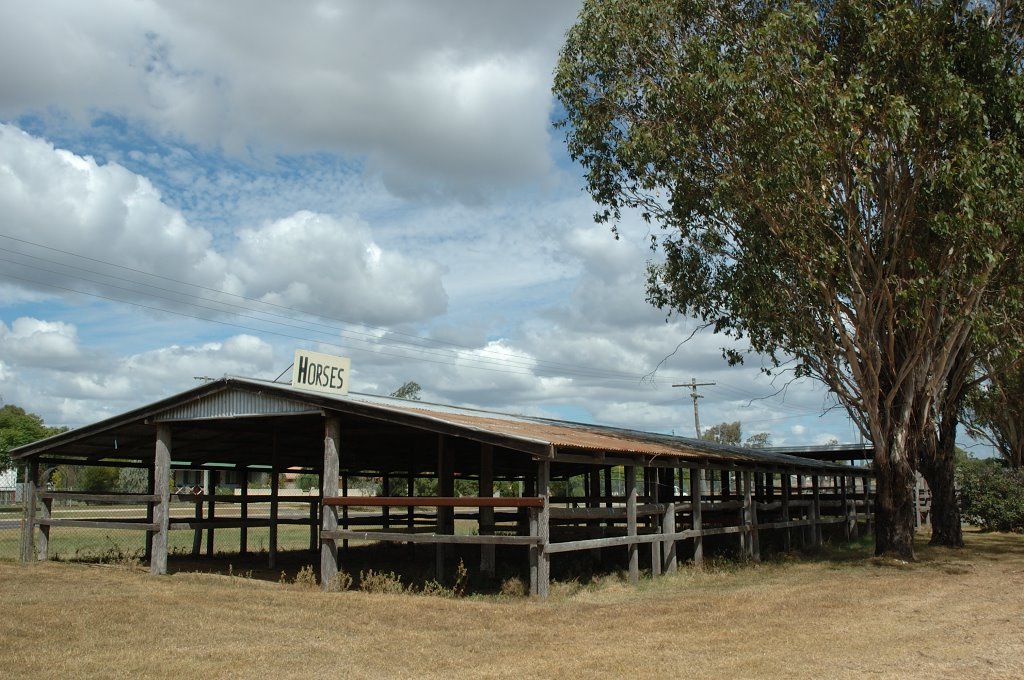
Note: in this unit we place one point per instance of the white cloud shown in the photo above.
(32, 342)
(104, 213)
(442, 97)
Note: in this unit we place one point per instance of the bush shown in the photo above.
(991, 494)
(307, 481)
(100, 479)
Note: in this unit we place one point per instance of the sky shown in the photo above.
(196, 189)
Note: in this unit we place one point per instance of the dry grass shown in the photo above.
(953, 614)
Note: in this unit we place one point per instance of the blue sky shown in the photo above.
(198, 189)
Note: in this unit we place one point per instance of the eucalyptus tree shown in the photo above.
(839, 183)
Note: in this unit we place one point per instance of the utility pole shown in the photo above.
(693, 385)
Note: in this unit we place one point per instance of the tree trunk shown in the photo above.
(894, 511)
(937, 467)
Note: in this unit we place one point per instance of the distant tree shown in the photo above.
(98, 479)
(760, 440)
(19, 427)
(409, 390)
(307, 481)
(995, 410)
(723, 433)
(732, 433)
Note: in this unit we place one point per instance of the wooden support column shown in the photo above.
(161, 512)
(486, 521)
(847, 529)
(410, 491)
(608, 494)
(594, 501)
(197, 533)
(28, 529)
(816, 509)
(445, 487)
(668, 526)
(150, 489)
(743, 491)
(634, 556)
(787, 538)
(725, 485)
(331, 470)
(655, 489)
(696, 492)
(211, 510)
(755, 533)
(46, 508)
(385, 481)
(344, 510)
(243, 511)
(275, 484)
(544, 529)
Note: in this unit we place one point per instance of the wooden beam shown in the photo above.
(275, 488)
(544, 529)
(243, 511)
(436, 501)
(406, 537)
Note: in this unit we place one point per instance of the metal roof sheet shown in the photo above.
(233, 397)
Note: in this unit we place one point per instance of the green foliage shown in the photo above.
(838, 183)
(133, 480)
(991, 494)
(408, 390)
(96, 479)
(732, 433)
(19, 427)
(995, 410)
(307, 481)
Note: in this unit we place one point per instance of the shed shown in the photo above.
(242, 424)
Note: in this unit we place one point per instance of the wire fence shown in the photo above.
(201, 518)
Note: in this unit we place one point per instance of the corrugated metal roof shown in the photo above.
(234, 404)
(236, 398)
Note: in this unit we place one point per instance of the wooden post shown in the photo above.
(344, 511)
(816, 526)
(486, 515)
(197, 533)
(634, 557)
(594, 501)
(410, 491)
(668, 526)
(28, 529)
(150, 489)
(211, 510)
(275, 484)
(544, 529)
(725, 485)
(445, 487)
(43, 541)
(331, 470)
(696, 492)
(846, 509)
(608, 493)
(755, 533)
(743, 491)
(787, 538)
(161, 512)
(243, 511)
(653, 474)
(385, 519)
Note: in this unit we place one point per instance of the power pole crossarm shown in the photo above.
(693, 385)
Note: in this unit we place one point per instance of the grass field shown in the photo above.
(952, 614)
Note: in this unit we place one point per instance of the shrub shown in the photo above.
(991, 494)
(99, 479)
(307, 481)
(380, 582)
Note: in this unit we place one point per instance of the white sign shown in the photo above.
(320, 372)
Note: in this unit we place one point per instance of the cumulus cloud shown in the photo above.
(32, 342)
(442, 97)
(104, 213)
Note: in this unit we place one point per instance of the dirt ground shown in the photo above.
(952, 614)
